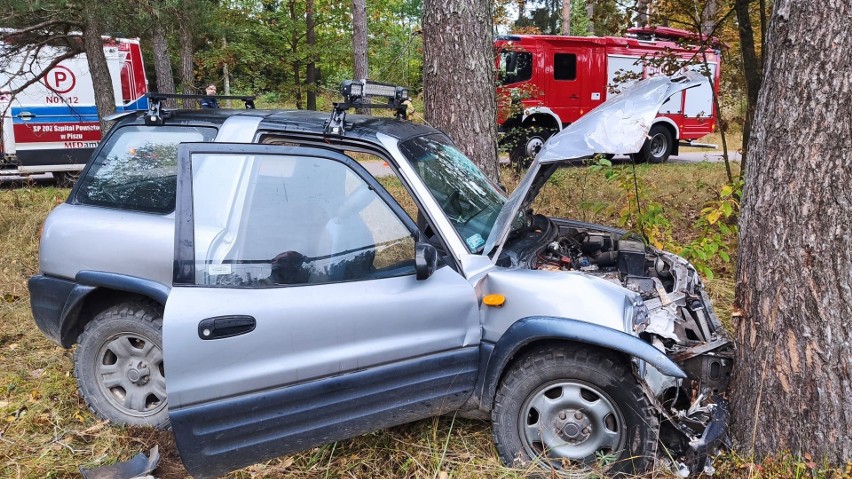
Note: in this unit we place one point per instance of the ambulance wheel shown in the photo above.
(66, 179)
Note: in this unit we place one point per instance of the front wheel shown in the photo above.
(574, 409)
(658, 147)
(119, 365)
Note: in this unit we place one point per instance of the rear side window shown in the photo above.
(136, 169)
(565, 66)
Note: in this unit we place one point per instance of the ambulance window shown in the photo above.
(137, 167)
(565, 66)
(515, 67)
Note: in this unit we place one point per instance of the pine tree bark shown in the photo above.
(311, 69)
(359, 42)
(98, 68)
(187, 59)
(793, 381)
(458, 77)
(162, 60)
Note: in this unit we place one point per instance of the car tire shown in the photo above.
(119, 365)
(579, 404)
(657, 148)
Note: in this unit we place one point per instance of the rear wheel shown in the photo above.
(119, 365)
(574, 409)
(657, 148)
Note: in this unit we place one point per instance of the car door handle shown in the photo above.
(574, 97)
(225, 327)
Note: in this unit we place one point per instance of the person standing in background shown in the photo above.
(209, 101)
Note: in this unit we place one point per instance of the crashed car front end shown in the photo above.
(674, 315)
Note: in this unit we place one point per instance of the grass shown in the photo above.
(47, 432)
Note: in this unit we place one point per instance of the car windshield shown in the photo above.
(469, 199)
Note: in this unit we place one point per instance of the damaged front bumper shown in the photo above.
(681, 322)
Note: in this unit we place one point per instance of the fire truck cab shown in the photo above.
(52, 125)
(547, 82)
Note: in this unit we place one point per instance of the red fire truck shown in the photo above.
(549, 81)
(52, 125)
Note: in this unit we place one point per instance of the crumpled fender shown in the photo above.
(538, 328)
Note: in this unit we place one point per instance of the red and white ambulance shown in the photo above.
(52, 125)
(547, 82)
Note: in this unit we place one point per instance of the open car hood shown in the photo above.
(619, 125)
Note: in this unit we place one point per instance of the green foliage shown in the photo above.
(715, 228)
(545, 16)
(267, 51)
(718, 230)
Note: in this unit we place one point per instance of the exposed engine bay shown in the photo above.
(677, 318)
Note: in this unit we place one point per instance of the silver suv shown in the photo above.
(242, 277)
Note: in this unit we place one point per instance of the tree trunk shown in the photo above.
(187, 59)
(458, 77)
(793, 381)
(162, 61)
(98, 68)
(359, 42)
(566, 17)
(311, 69)
(708, 17)
(641, 18)
(751, 69)
(294, 50)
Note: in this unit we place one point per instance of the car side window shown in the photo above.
(136, 169)
(269, 220)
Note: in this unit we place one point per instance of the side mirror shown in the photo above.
(425, 260)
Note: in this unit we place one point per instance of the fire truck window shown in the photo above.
(565, 66)
(515, 67)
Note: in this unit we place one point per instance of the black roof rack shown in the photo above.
(156, 115)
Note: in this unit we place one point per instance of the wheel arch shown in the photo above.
(535, 331)
(541, 116)
(96, 291)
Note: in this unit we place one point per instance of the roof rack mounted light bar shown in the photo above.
(355, 95)
(156, 115)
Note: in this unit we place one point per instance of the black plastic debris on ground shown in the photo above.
(139, 466)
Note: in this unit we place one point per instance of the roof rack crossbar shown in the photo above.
(156, 114)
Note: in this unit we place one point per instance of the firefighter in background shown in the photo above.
(209, 101)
